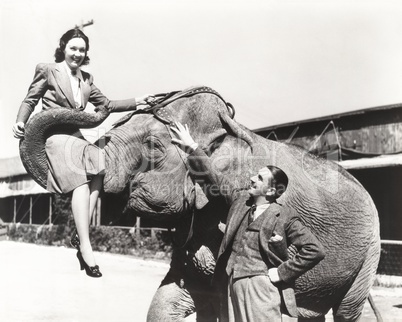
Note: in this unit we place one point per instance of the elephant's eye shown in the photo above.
(154, 150)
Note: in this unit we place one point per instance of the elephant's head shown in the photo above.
(140, 155)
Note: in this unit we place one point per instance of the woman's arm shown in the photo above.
(36, 91)
(98, 99)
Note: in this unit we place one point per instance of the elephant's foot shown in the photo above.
(170, 303)
(174, 301)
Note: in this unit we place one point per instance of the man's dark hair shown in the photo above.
(280, 180)
(72, 33)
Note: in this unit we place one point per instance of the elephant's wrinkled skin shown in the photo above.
(329, 200)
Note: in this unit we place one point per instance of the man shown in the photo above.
(254, 249)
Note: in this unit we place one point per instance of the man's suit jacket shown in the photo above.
(281, 228)
(51, 83)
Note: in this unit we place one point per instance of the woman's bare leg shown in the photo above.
(95, 187)
(80, 209)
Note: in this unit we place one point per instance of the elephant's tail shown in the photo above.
(40, 126)
(375, 309)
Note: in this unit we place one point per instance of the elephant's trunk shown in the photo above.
(42, 125)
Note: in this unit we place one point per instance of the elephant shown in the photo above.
(141, 157)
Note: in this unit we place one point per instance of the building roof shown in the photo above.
(21, 186)
(11, 167)
(391, 160)
(331, 117)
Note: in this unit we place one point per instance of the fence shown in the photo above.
(3, 233)
(391, 258)
(150, 243)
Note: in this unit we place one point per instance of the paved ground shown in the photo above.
(44, 284)
(40, 283)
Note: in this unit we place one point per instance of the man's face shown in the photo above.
(260, 183)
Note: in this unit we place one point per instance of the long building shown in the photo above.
(368, 144)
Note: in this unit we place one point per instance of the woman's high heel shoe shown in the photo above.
(75, 240)
(92, 271)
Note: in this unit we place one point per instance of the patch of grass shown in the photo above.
(104, 238)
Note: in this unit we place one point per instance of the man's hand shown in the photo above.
(18, 129)
(184, 139)
(273, 275)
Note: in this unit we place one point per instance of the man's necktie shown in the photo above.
(251, 214)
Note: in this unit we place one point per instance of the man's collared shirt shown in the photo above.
(259, 210)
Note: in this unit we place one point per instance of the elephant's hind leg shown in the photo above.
(351, 306)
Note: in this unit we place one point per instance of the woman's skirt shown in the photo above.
(73, 161)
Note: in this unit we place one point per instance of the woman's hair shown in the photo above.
(72, 33)
(280, 180)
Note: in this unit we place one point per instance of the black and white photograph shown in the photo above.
(209, 161)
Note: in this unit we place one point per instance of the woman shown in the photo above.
(75, 165)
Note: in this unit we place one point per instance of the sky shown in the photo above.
(275, 61)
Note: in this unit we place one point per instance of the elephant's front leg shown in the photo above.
(181, 293)
(170, 303)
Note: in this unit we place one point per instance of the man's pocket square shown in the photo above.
(276, 238)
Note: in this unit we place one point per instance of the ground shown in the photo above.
(44, 284)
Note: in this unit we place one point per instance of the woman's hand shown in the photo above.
(143, 101)
(184, 139)
(19, 130)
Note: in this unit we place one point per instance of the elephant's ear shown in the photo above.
(235, 128)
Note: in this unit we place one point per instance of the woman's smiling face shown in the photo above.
(75, 53)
